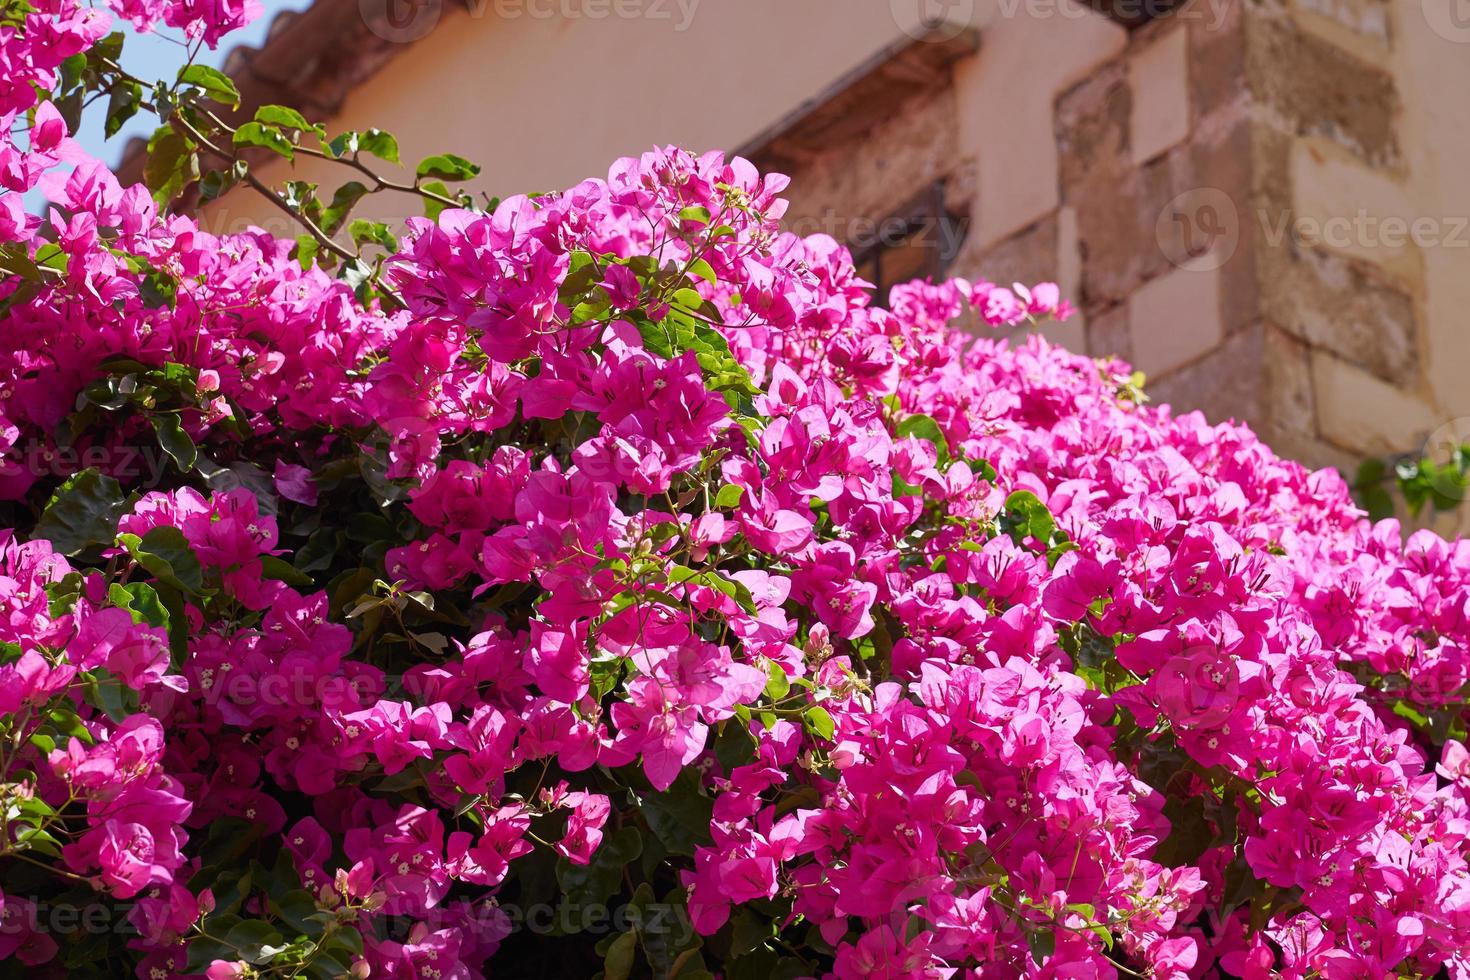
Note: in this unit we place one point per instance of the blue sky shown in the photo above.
(152, 56)
(160, 55)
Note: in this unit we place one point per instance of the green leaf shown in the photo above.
(202, 952)
(212, 82)
(344, 199)
(729, 496)
(15, 260)
(107, 692)
(595, 883)
(215, 183)
(364, 232)
(269, 137)
(159, 289)
(306, 251)
(1043, 944)
(1189, 832)
(695, 214)
(51, 256)
(122, 104)
(142, 600)
(82, 513)
(166, 554)
(375, 141)
(170, 165)
(256, 940)
(702, 269)
(924, 427)
(280, 115)
(380, 144)
(778, 685)
(71, 72)
(173, 440)
(433, 208)
(817, 721)
(447, 166)
(618, 963)
(281, 570)
(1028, 517)
(298, 909)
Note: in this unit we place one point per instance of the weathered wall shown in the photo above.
(1261, 203)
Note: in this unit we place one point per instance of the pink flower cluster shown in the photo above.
(641, 557)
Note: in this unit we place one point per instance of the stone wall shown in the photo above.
(1260, 203)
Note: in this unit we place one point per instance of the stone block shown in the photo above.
(1225, 385)
(1174, 319)
(1158, 75)
(1319, 88)
(1364, 414)
(1346, 307)
(1342, 206)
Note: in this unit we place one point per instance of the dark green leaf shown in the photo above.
(364, 232)
(380, 144)
(83, 513)
(343, 201)
(212, 82)
(447, 166)
(284, 116)
(166, 554)
(170, 165)
(817, 721)
(679, 816)
(175, 441)
(122, 104)
(269, 137)
(595, 883)
(618, 963)
(255, 939)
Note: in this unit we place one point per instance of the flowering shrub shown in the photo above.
(612, 587)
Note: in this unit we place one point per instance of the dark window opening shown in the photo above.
(918, 241)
